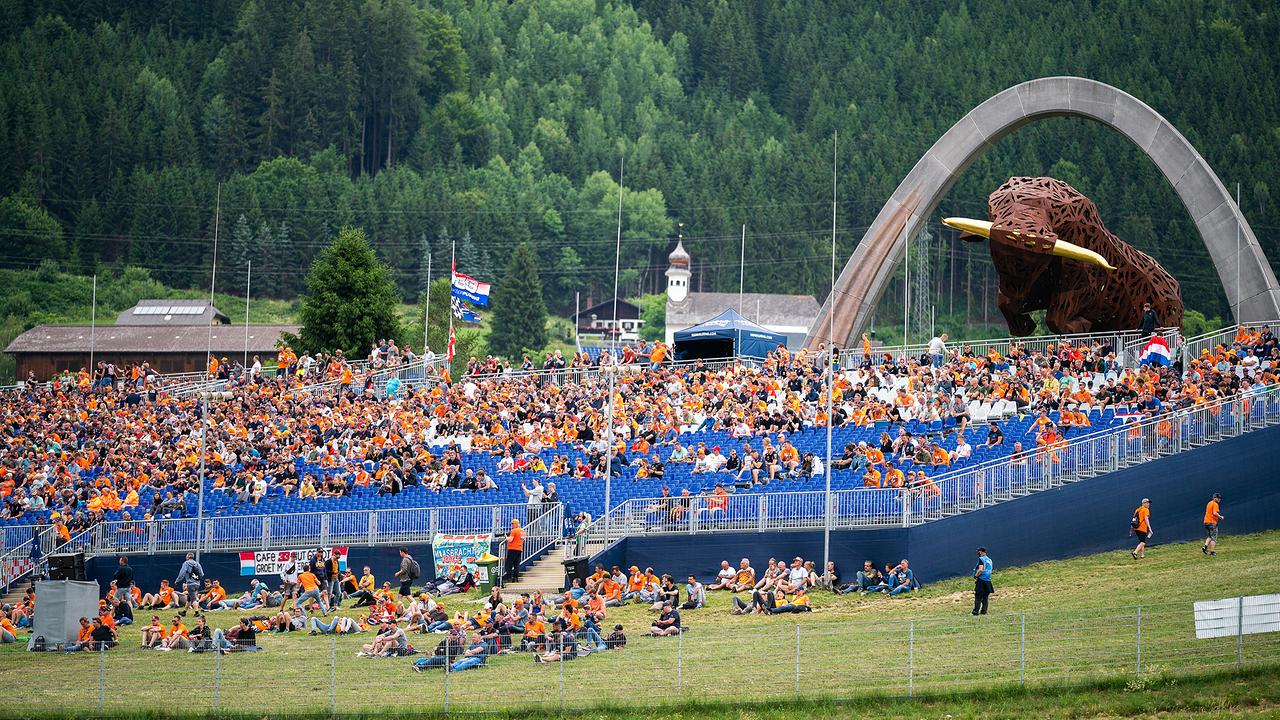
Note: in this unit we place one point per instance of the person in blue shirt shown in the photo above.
(982, 587)
(902, 580)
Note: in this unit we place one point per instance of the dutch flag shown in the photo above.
(1156, 352)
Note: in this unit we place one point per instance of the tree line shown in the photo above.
(461, 129)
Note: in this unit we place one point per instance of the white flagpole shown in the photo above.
(831, 365)
(248, 286)
(453, 268)
(93, 323)
(613, 366)
(213, 276)
(742, 266)
(204, 415)
(577, 310)
(426, 311)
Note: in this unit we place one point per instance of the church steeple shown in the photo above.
(678, 271)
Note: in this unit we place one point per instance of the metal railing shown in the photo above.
(791, 657)
(952, 493)
(1193, 346)
(17, 564)
(397, 526)
(852, 356)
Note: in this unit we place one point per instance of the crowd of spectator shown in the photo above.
(77, 450)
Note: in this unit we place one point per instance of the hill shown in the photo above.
(490, 122)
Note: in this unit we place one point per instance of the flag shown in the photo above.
(469, 288)
(1155, 352)
(462, 312)
(246, 563)
(448, 356)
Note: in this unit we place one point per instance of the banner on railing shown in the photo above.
(451, 550)
(275, 562)
(13, 567)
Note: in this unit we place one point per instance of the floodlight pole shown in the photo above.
(831, 362)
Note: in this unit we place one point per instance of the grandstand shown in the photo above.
(1022, 387)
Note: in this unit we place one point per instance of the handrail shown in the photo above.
(956, 492)
(386, 526)
(1034, 343)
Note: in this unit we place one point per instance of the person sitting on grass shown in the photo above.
(902, 580)
(163, 599)
(338, 626)
(799, 603)
(447, 651)
(762, 602)
(177, 637)
(745, 577)
(389, 641)
(8, 632)
(239, 638)
(868, 580)
(283, 622)
(696, 593)
(724, 578)
(668, 623)
(154, 633)
(98, 639)
(562, 645)
(213, 597)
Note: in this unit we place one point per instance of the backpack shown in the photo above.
(415, 570)
(1133, 521)
(38, 645)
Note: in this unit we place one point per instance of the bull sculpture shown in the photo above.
(1052, 253)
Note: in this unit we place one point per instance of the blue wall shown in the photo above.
(1084, 517)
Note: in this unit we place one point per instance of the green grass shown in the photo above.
(1080, 621)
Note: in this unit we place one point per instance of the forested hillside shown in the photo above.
(491, 122)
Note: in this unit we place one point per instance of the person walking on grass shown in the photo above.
(1141, 526)
(982, 587)
(1211, 519)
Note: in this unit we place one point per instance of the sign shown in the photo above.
(450, 550)
(275, 562)
(1237, 616)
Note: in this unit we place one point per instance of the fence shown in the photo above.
(401, 526)
(769, 659)
(949, 494)
(1120, 341)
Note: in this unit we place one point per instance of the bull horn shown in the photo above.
(1062, 248)
(981, 228)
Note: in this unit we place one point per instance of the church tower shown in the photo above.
(678, 274)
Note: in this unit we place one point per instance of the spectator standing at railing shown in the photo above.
(515, 546)
(1149, 320)
(982, 587)
(938, 350)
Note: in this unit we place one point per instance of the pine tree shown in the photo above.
(350, 300)
(471, 260)
(519, 316)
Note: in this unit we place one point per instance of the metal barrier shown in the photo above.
(806, 656)
(853, 356)
(396, 526)
(952, 493)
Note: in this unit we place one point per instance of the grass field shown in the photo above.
(1055, 626)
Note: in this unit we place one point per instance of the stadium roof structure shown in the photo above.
(173, 312)
(149, 339)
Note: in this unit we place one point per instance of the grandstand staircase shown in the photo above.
(545, 574)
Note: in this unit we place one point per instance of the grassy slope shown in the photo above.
(1078, 614)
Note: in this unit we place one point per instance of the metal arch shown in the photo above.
(1207, 201)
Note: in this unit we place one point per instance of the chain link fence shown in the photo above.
(766, 658)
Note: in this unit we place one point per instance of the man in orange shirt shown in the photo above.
(1141, 525)
(309, 587)
(515, 546)
(1211, 518)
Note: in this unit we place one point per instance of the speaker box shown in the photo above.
(68, 566)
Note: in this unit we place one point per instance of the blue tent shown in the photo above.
(726, 335)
